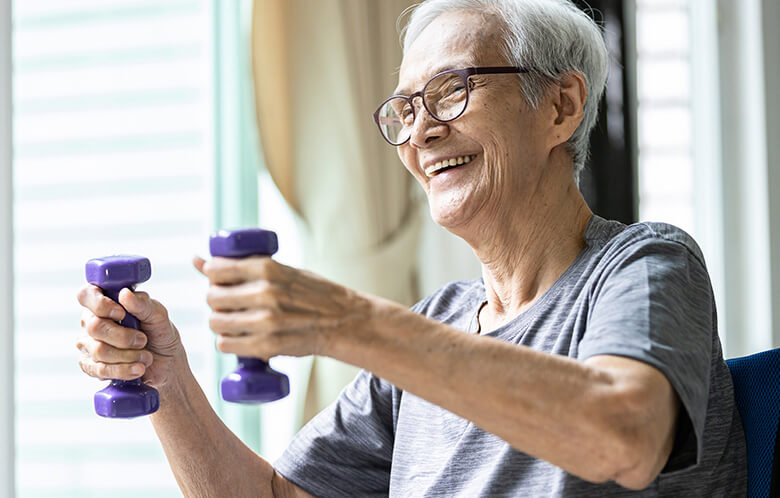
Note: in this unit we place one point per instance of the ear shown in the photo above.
(568, 101)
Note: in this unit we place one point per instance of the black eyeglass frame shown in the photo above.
(464, 75)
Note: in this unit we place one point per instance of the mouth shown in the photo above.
(445, 164)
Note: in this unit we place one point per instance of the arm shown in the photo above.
(609, 418)
(206, 458)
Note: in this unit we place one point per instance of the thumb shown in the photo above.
(140, 305)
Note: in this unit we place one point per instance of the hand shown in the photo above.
(111, 351)
(261, 308)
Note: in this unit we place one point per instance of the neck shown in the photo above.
(528, 245)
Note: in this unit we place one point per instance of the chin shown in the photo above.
(449, 213)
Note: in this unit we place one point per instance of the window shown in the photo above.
(114, 153)
(664, 115)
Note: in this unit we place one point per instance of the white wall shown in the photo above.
(6, 260)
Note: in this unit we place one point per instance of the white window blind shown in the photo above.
(665, 117)
(113, 136)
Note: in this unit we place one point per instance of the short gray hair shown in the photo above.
(552, 36)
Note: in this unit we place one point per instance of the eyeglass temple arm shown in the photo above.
(498, 70)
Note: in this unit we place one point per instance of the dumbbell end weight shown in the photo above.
(254, 382)
(122, 399)
(126, 399)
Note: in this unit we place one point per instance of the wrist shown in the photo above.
(175, 383)
(363, 330)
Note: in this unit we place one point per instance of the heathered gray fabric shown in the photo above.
(640, 291)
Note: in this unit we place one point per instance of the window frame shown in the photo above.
(7, 432)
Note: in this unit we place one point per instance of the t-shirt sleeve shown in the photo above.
(346, 449)
(654, 303)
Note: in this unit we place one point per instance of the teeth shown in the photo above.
(431, 170)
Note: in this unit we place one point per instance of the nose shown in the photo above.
(426, 129)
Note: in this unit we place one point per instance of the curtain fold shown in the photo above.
(320, 68)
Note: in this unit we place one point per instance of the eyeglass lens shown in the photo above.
(444, 96)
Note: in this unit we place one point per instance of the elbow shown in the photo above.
(636, 473)
(635, 444)
(628, 467)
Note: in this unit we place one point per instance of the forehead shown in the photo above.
(452, 40)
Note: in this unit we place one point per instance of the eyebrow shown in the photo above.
(435, 71)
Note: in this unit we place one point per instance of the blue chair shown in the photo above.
(757, 392)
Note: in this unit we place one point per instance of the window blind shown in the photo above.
(113, 137)
(665, 112)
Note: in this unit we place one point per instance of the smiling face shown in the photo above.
(499, 142)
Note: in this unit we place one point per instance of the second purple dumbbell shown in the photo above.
(131, 398)
(253, 381)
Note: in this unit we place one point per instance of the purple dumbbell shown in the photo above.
(253, 381)
(121, 398)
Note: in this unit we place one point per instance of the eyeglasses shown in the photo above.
(445, 97)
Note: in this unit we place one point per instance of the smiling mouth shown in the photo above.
(446, 164)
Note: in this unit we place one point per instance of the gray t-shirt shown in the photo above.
(640, 291)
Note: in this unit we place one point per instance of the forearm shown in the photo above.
(207, 459)
(552, 407)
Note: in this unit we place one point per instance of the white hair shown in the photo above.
(550, 36)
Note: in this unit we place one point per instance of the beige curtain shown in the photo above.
(320, 69)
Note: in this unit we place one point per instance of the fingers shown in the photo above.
(149, 311)
(258, 294)
(241, 323)
(105, 353)
(237, 345)
(92, 298)
(230, 271)
(113, 334)
(198, 263)
(121, 371)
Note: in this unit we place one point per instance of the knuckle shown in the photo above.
(94, 326)
(104, 306)
(273, 341)
(100, 350)
(103, 370)
(90, 368)
(221, 344)
(215, 322)
(155, 310)
(269, 316)
(81, 295)
(126, 339)
(160, 309)
(266, 266)
(212, 297)
(274, 299)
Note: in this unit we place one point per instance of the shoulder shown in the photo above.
(618, 242)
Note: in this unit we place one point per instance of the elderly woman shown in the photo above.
(584, 362)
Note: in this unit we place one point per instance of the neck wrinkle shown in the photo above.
(533, 246)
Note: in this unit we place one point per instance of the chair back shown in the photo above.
(757, 391)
